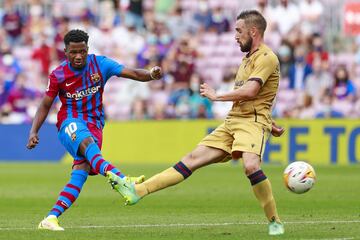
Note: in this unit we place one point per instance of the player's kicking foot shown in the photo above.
(50, 223)
(124, 186)
(276, 228)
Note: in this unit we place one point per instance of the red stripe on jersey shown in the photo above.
(63, 113)
(93, 99)
(85, 99)
(101, 77)
(100, 108)
(68, 74)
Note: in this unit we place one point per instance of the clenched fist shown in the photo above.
(156, 73)
(33, 140)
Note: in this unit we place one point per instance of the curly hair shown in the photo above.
(76, 35)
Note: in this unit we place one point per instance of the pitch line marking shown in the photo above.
(347, 238)
(200, 225)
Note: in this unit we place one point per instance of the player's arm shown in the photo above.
(142, 75)
(248, 91)
(264, 66)
(39, 119)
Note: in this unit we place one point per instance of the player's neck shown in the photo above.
(255, 46)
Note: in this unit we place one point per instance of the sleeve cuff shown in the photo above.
(259, 80)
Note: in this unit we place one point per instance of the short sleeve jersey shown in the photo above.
(261, 66)
(81, 91)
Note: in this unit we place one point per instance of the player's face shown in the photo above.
(243, 36)
(76, 53)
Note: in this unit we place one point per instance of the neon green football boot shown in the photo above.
(125, 186)
(137, 180)
(276, 228)
(50, 223)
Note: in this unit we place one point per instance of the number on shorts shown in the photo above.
(70, 129)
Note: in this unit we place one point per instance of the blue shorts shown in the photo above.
(72, 132)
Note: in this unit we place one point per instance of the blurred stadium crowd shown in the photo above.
(193, 41)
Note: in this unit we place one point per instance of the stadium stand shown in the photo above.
(193, 41)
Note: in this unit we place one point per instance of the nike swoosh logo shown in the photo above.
(125, 186)
(66, 84)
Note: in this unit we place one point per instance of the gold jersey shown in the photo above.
(262, 66)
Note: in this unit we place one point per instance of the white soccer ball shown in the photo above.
(299, 177)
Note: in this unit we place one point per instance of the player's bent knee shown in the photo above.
(251, 163)
(82, 166)
(84, 144)
(250, 169)
(192, 161)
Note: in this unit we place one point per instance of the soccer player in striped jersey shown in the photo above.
(79, 82)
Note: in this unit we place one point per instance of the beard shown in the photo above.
(247, 46)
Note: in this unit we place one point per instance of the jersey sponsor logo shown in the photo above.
(83, 93)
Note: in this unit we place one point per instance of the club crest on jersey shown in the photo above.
(73, 136)
(239, 83)
(95, 77)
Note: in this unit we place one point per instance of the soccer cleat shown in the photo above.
(50, 223)
(124, 186)
(276, 228)
(137, 180)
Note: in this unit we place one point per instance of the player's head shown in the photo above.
(76, 47)
(250, 25)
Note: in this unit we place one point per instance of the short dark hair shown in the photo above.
(76, 35)
(253, 17)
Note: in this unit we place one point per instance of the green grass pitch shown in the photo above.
(215, 203)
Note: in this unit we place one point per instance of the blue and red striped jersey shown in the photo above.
(80, 91)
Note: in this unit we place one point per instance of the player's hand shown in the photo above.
(33, 140)
(156, 73)
(207, 91)
(277, 131)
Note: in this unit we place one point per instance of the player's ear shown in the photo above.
(253, 31)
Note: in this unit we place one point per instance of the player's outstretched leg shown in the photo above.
(169, 177)
(66, 198)
(199, 157)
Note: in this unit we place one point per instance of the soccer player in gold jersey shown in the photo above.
(246, 128)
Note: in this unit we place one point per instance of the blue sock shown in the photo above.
(93, 155)
(70, 192)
